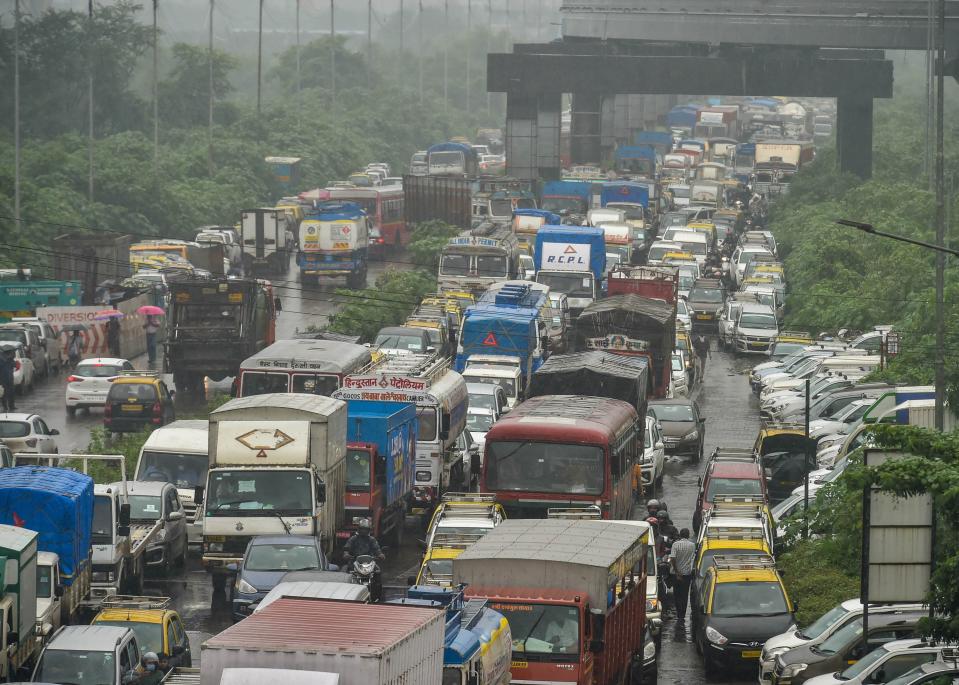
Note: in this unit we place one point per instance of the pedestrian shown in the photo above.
(151, 327)
(22, 273)
(701, 345)
(75, 349)
(681, 559)
(7, 363)
(113, 336)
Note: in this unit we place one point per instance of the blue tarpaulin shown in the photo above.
(57, 504)
(625, 191)
(498, 329)
(550, 217)
(567, 188)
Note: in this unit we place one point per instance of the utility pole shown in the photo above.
(156, 97)
(209, 130)
(402, 44)
(469, 50)
(16, 113)
(419, 29)
(299, 82)
(91, 50)
(940, 219)
(446, 55)
(369, 43)
(259, 60)
(333, 50)
(927, 153)
(489, 47)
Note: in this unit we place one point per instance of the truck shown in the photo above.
(458, 160)
(660, 141)
(110, 655)
(164, 253)
(91, 258)
(526, 223)
(636, 160)
(366, 644)
(596, 373)
(380, 459)
(18, 606)
(426, 198)
(58, 505)
(632, 325)
(571, 260)
(620, 192)
(682, 119)
(213, 324)
(653, 282)
(569, 196)
(717, 122)
(479, 257)
(477, 644)
(335, 242)
(267, 239)
(583, 620)
(277, 464)
(792, 152)
(441, 400)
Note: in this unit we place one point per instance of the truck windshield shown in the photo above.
(492, 266)
(357, 470)
(749, 599)
(446, 159)
(542, 632)
(501, 207)
(76, 667)
(570, 283)
(145, 508)
(455, 264)
(44, 581)
(247, 493)
(102, 520)
(573, 205)
(545, 467)
(261, 383)
(183, 470)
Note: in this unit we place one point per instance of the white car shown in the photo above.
(479, 421)
(886, 662)
(89, 383)
(23, 369)
(27, 433)
(654, 454)
(678, 384)
(682, 313)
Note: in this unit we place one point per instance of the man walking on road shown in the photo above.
(701, 346)
(681, 559)
(6, 379)
(150, 328)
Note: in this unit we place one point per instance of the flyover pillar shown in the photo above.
(854, 134)
(532, 135)
(585, 128)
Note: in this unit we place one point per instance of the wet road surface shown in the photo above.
(724, 398)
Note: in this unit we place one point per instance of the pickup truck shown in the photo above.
(156, 512)
(106, 655)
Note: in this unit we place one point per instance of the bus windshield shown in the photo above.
(545, 467)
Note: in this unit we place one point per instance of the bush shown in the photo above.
(814, 581)
(394, 296)
(128, 444)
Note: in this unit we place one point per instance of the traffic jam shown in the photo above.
(521, 482)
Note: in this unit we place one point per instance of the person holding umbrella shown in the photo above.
(75, 349)
(151, 327)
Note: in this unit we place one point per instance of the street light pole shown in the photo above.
(16, 112)
(868, 228)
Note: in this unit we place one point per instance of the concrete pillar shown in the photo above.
(532, 135)
(854, 134)
(585, 128)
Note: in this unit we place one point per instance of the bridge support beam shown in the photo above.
(532, 135)
(854, 134)
(585, 128)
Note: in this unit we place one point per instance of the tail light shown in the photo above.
(16, 365)
(74, 379)
(108, 409)
(157, 409)
(380, 241)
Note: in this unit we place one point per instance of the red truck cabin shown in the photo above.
(563, 450)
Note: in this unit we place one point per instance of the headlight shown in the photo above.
(649, 651)
(715, 636)
(245, 587)
(792, 670)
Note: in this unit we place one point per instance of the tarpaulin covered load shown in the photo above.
(498, 329)
(57, 504)
(600, 374)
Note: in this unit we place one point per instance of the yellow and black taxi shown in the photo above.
(740, 603)
(157, 628)
(136, 400)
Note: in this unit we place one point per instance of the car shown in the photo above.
(89, 383)
(707, 300)
(106, 655)
(653, 465)
(684, 430)
(844, 421)
(377, 244)
(152, 501)
(23, 369)
(32, 346)
(740, 603)
(527, 267)
(844, 647)
(27, 433)
(683, 314)
(479, 421)
(267, 559)
(756, 329)
(944, 672)
(136, 401)
(403, 340)
(6, 456)
(679, 383)
(418, 164)
(49, 341)
(158, 629)
(734, 473)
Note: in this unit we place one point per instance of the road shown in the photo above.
(725, 400)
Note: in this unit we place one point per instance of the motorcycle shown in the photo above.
(365, 571)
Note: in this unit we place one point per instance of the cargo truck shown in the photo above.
(475, 259)
(571, 260)
(441, 401)
(426, 198)
(58, 505)
(18, 606)
(581, 615)
(570, 197)
(526, 224)
(636, 160)
(380, 458)
(277, 465)
(655, 283)
(91, 258)
(458, 160)
(334, 242)
(792, 152)
(267, 241)
(366, 644)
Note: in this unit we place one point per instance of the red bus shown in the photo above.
(562, 451)
(384, 205)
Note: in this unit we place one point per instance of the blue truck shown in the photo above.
(58, 505)
(478, 645)
(629, 192)
(637, 160)
(334, 241)
(380, 459)
(571, 260)
(661, 141)
(452, 159)
(682, 118)
(569, 197)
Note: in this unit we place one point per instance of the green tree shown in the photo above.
(184, 96)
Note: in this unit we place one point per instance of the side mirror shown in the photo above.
(174, 516)
(198, 494)
(58, 591)
(232, 566)
(123, 531)
(124, 518)
(54, 431)
(430, 349)
(179, 650)
(321, 493)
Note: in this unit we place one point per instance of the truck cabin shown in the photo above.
(452, 159)
(315, 367)
(480, 256)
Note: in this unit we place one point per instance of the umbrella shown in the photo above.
(108, 314)
(150, 310)
(73, 327)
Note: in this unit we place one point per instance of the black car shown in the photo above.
(684, 430)
(137, 401)
(706, 300)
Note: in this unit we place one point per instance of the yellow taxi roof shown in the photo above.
(133, 615)
(752, 575)
(443, 553)
(152, 380)
(685, 256)
(701, 224)
(770, 432)
(710, 544)
(773, 268)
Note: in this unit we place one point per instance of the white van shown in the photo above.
(694, 242)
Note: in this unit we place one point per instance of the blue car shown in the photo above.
(267, 559)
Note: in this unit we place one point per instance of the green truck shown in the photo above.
(18, 606)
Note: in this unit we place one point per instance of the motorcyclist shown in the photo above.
(667, 530)
(362, 543)
(149, 672)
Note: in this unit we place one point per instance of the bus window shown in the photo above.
(314, 384)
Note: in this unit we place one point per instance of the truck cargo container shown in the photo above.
(569, 196)
(181, 254)
(277, 464)
(571, 260)
(18, 605)
(793, 152)
(655, 283)
(580, 615)
(267, 240)
(380, 458)
(639, 160)
(443, 198)
(366, 644)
